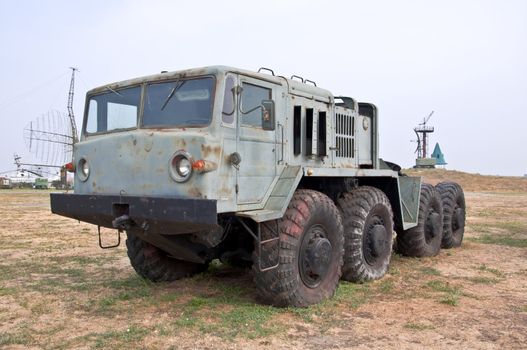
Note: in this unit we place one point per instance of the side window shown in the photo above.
(251, 102)
(227, 114)
(91, 124)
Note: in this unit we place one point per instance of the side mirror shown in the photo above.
(268, 122)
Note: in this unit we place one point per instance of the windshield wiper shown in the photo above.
(172, 93)
(115, 92)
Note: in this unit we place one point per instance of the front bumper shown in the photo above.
(159, 215)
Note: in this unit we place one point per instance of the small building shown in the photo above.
(5, 183)
(425, 163)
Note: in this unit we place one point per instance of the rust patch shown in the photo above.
(216, 151)
(195, 192)
(180, 143)
(347, 165)
(225, 192)
(207, 150)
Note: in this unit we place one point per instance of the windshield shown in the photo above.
(180, 103)
(113, 110)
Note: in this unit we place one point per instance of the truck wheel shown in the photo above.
(453, 200)
(310, 254)
(425, 238)
(368, 234)
(155, 264)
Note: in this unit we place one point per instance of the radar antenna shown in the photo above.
(50, 137)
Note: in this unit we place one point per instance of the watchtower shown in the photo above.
(422, 131)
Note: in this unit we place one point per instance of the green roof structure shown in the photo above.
(438, 155)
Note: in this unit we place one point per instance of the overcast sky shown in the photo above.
(465, 60)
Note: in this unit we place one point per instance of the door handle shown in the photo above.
(282, 143)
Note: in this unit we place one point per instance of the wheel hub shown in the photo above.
(315, 257)
(375, 240)
(433, 225)
(318, 254)
(378, 240)
(457, 218)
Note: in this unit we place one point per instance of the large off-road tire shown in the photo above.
(310, 255)
(155, 264)
(425, 238)
(367, 218)
(453, 200)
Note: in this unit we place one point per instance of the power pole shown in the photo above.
(74, 134)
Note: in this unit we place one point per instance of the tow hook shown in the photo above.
(123, 222)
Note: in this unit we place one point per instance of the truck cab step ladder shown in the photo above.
(258, 238)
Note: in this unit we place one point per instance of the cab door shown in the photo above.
(255, 139)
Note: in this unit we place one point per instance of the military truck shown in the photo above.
(41, 183)
(254, 169)
(5, 183)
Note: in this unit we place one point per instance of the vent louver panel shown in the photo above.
(345, 135)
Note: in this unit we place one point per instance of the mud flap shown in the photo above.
(409, 193)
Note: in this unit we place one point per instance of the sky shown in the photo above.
(464, 60)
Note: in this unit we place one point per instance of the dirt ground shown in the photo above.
(58, 289)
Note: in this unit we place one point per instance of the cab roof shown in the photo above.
(294, 87)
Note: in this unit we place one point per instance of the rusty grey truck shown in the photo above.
(254, 169)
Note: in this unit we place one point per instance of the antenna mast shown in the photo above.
(70, 106)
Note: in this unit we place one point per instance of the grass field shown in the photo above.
(58, 290)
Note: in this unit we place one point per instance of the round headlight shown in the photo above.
(83, 169)
(181, 166)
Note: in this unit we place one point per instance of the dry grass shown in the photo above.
(473, 182)
(59, 290)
